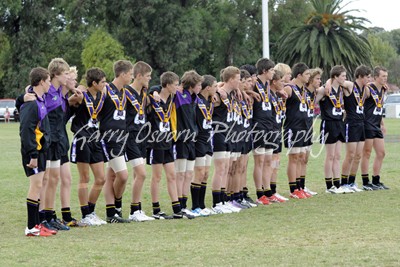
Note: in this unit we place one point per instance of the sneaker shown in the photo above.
(230, 206)
(53, 232)
(187, 211)
(297, 194)
(162, 216)
(347, 189)
(305, 194)
(355, 188)
(88, 220)
(35, 231)
(201, 212)
(221, 209)
(370, 187)
(209, 211)
(275, 199)
(57, 224)
(263, 200)
(381, 186)
(238, 204)
(310, 192)
(118, 211)
(74, 223)
(335, 190)
(281, 197)
(46, 224)
(250, 200)
(97, 219)
(244, 202)
(140, 216)
(116, 219)
(183, 215)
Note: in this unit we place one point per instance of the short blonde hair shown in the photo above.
(313, 74)
(283, 68)
(73, 70)
(57, 66)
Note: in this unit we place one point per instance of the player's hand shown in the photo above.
(32, 164)
(28, 97)
(222, 93)
(156, 96)
(282, 93)
(383, 128)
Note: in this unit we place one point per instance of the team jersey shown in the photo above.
(354, 104)
(55, 108)
(310, 98)
(135, 109)
(159, 116)
(276, 111)
(204, 115)
(113, 115)
(183, 119)
(34, 126)
(223, 113)
(262, 111)
(373, 108)
(332, 106)
(85, 123)
(67, 115)
(296, 109)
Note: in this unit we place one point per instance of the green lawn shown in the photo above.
(326, 230)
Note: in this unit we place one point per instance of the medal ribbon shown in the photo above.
(375, 96)
(119, 104)
(90, 105)
(298, 94)
(135, 103)
(163, 116)
(246, 112)
(337, 102)
(207, 113)
(262, 92)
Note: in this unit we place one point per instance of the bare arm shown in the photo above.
(320, 93)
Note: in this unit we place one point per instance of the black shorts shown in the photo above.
(354, 132)
(203, 148)
(185, 150)
(41, 164)
(278, 149)
(114, 149)
(54, 152)
(87, 152)
(309, 137)
(64, 159)
(332, 131)
(220, 144)
(270, 139)
(295, 138)
(372, 134)
(158, 156)
(134, 148)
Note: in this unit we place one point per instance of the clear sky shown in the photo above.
(381, 13)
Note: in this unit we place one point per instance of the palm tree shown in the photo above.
(327, 38)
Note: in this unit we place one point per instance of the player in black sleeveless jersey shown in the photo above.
(204, 149)
(313, 94)
(137, 100)
(222, 121)
(86, 150)
(354, 97)
(184, 110)
(374, 128)
(159, 143)
(113, 132)
(263, 124)
(332, 129)
(295, 127)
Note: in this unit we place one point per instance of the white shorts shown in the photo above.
(136, 162)
(184, 165)
(203, 161)
(53, 164)
(117, 164)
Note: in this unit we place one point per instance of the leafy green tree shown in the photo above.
(327, 38)
(102, 50)
(382, 51)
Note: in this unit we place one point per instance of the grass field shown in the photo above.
(327, 230)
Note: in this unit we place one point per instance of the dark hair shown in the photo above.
(299, 68)
(378, 69)
(190, 79)
(37, 75)
(168, 77)
(122, 66)
(362, 71)
(208, 80)
(250, 68)
(264, 64)
(337, 70)
(94, 75)
(244, 74)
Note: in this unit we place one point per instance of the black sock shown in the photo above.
(375, 179)
(156, 207)
(38, 219)
(110, 210)
(236, 196)
(54, 215)
(140, 205)
(216, 196)
(66, 214)
(245, 192)
(345, 179)
(48, 214)
(118, 203)
(365, 179)
(92, 207)
(259, 193)
(32, 208)
(268, 193)
(292, 186)
(195, 192)
(202, 195)
(336, 182)
(298, 183)
(134, 207)
(273, 187)
(329, 183)
(229, 197)
(85, 210)
(176, 206)
(303, 181)
(42, 215)
(352, 178)
(224, 197)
